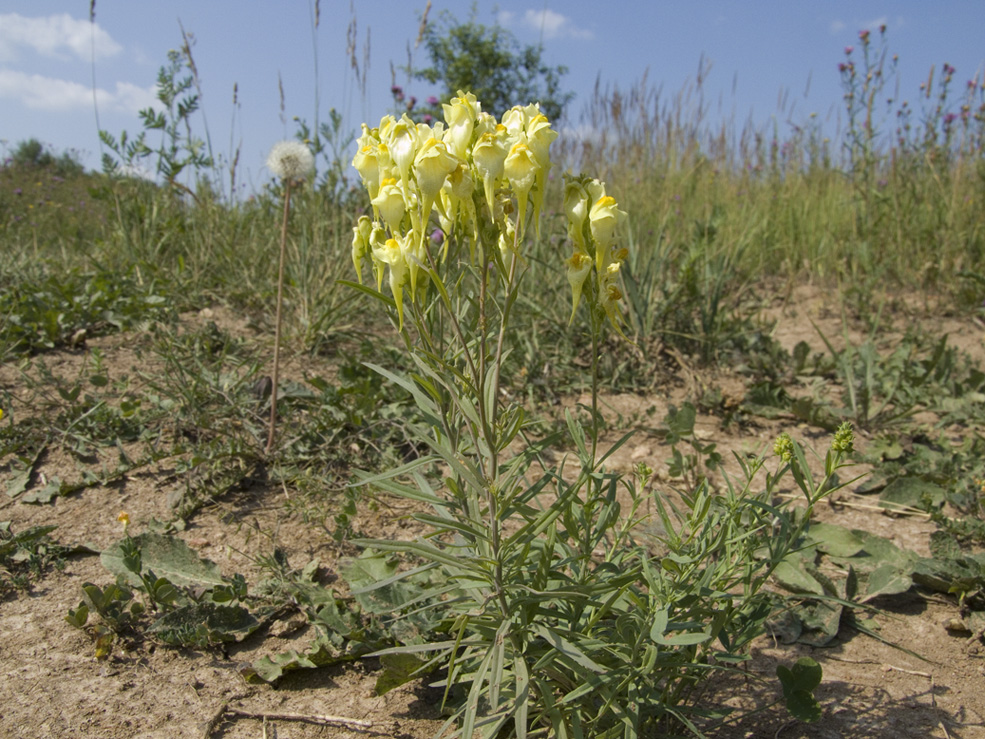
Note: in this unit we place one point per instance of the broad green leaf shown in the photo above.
(20, 482)
(911, 492)
(24, 538)
(887, 579)
(835, 540)
(44, 495)
(821, 622)
(793, 576)
(168, 557)
(201, 624)
(803, 706)
(398, 669)
(799, 684)
(322, 652)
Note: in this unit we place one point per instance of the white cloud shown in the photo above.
(47, 93)
(545, 22)
(837, 26)
(53, 36)
(554, 25)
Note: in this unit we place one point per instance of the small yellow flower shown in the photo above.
(124, 518)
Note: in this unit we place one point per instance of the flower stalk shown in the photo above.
(292, 162)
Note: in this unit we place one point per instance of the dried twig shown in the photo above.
(311, 718)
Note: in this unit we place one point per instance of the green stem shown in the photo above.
(595, 387)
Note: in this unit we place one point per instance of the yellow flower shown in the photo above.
(366, 164)
(393, 256)
(539, 138)
(515, 120)
(457, 195)
(124, 518)
(576, 202)
(390, 203)
(579, 267)
(604, 217)
(489, 157)
(460, 115)
(610, 295)
(360, 243)
(521, 169)
(377, 242)
(432, 165)
(402, 141)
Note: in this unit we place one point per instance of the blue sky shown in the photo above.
(760, 52)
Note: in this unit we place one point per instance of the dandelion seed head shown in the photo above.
(290, 160)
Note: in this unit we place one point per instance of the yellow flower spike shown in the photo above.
(360, 244)
(460, 115)
(579, 267)
(521, 168)
(432, 165)
(489, 158)
(390, 203)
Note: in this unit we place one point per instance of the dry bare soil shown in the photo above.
(51, 684)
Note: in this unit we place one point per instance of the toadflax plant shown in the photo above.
(549, 613)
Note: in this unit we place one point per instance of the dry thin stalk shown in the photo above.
(280, 293)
